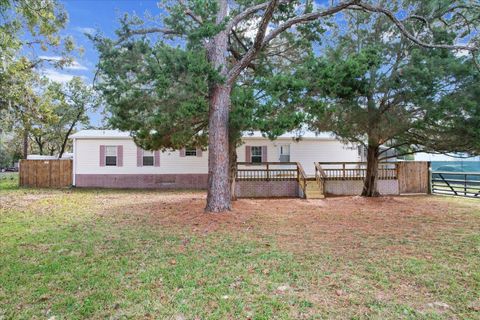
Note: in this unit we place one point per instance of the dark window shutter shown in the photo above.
(264, 154)
(102, 156)
(248, 154)
(120, 156)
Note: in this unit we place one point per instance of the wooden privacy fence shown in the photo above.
(414, 176)
(46, 173)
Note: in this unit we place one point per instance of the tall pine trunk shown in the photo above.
(233, 167)
(371, 176)
(218, 196)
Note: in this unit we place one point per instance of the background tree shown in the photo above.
(25, 28)
(378, 89)
(211, 26)
(72, 102)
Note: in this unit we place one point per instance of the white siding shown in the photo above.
(88, 159)
(306, 151)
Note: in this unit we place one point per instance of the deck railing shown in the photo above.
(272, 171)
(355, 170)
(464, 184)
(267, 171)
(302, 178)
(320, 176)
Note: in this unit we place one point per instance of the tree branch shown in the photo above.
(257, 44)
(247, 12)
(399, 24)
(305, 18)
(190, 13)
(146, 31)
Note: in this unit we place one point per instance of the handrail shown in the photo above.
(302, 178)
(266, 171)
(355, 170)
(320, 176)
(320, 169)
(265, 163)
(263, 171)
(353, 162)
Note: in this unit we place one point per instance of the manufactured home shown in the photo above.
(110, 159)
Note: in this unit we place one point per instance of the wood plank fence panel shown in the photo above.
(46, 173)
(414, 176)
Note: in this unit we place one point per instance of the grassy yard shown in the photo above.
(8, 180)
(73, 254)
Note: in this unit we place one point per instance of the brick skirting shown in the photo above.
(266, 189)
(142, 181)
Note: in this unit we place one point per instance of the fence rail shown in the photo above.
(464, 184)
(356, 170)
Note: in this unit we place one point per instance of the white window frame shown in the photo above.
(252, 155)
(281, 151)
(108, 155)
(190, 152)
(148, 154)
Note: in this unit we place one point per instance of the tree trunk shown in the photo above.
(370, 182)
(40, 144)
(232, 146)
(25, 144)
(218, 195)
(65, 139)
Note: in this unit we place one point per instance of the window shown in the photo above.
(110, 155)
(148, 158)
(190, 152)
(256, 154)
(285, 153)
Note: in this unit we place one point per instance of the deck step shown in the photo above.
(313, 190)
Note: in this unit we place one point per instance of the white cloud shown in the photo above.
(461, 53)
(86, 30)
(57, 76)
(76, 66)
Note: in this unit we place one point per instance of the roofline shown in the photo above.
(101, 138)
(292, 138)
(244, 137)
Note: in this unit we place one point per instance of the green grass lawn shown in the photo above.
(8, 180)
(74, 254)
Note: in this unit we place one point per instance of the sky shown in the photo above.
(89, 16)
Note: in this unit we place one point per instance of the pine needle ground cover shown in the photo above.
(74, 254)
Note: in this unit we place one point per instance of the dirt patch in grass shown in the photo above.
(111, 253)
(343, 224)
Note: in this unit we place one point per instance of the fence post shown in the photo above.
(430, 177)
(344, 173)
(268, 172)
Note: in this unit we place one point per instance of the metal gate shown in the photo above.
(464, 184)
